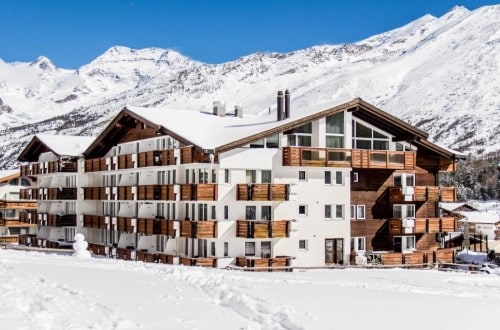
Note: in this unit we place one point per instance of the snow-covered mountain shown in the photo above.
(440, 74)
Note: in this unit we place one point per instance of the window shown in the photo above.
(301, 136)
(358, 243)
(212, 248)
(226, 176)
(265, 212)
(404, 179)
(226, 249)
(265, 249)
(214, 176)
(334, 212)
(273, 141)
(226, 212)
(302, 175)
(202, 176)
(250, 212)
(335, 131)
(401, 211)
(187, 176)
(251, 176)
(186, 211)
(212, 211)
(355, 177)
(358, 212)
(257, 144)
(404, 243)
(302, 244)
(302, 209)
(265, 176)
(334, 177)
(366, 138)
(249, 249)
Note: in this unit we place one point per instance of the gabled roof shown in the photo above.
(7, 175)
(206, 131)
(61, 145)
(485, 217)
(452, 207)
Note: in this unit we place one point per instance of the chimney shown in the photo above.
(287, 104)
(279, 108)
(219, 108)
(238, 111)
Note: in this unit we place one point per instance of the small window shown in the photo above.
(353, 211)
(302, 209)
(212, 248)
(265, 212)
(302, 175)
(302, 244)
(214, 176)
(249, 249)
(328, 211)
(226, 176)
(360, 211)
(213, 213)
(250, 212)
(265, 249)
(337, 177)
(328, 177)
(334, 212)
(265, 176)
(355, 177)
(226, 212)
(187, 176)
(358, 243)
(251, 176)
(226, 249)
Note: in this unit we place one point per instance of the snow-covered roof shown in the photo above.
(209, 131)
(490, 217)
(8, 173)
(450, 207)
(67, 145)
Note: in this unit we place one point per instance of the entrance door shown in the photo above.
(334, 251)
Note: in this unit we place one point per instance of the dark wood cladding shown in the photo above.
(376, 234)
(355, 158)
(28, 216)
(125, 162)
(156, 158)
(146, 256)
(124, 224)
(125, 193)
(199, 192)
(198, 229)
(156, 192)
(60, 194)
(124, 253)
(263, 264)
(423, 194)
(57, 166)
(144, 159)
(262, 192)
(57, 220)
(99, 249)
(94, 221)
(262, 229)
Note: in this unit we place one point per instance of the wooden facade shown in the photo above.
(262, 192)
(262, 229)
(199, 192)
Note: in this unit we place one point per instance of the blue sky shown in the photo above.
(72, 33)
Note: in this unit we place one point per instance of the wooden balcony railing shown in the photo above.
(50, 167)
(28, 216)
(157, 226)
(99, 249)
(198, 229)
(29, 194)
(422, 194)
(156, 158)
(200, 262)
(262, 192)
(125, 253)
(422, 225)
(262, 229)
(18, 204)
(199, 192)
(355, 158)
(146, 256)
(156, 192)
(125, 224)
(96, 165)
(95, 193)
(190, 155)
(94, 221)
(142, 159)
(60, 194)
(57, 220)
(263, 264)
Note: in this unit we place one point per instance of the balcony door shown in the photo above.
(334, 251)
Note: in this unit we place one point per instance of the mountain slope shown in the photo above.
(440, 74)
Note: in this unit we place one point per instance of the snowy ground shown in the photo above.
(41, 291)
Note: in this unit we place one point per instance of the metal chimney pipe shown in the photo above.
(287, 104)
(279, 108)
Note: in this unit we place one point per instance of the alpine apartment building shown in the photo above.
(309, 187)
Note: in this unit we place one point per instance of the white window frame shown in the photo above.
(408, 211)
(305, 210)
(404, 242)
(404, 179)
(334, 175)
(305, 176)
(305, 248)
(333, 211)
(356, 240)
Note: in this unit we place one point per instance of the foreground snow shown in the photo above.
(40, 291)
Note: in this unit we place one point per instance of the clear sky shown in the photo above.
(74, 32)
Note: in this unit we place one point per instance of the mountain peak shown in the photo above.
(43, 63)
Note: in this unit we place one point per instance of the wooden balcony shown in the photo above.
(146, 256)
(148, 226)
(99, 249)
(57, 220)
(262, 192)
(263, 264)
(200, 262)
(28, 217)
(61, 194)
(199, 192)
(95, 193)
(125, 162)
(29, 194)
(198, 229)
(125, 253)
(422, 225)
(94, 221)
(31, 169)
(190, 155)
(355, 158)
(125, 193)
(18, 204)
(156, 192)
(262, 229)
(57, 166)
(156, 158)
(96, 165)
(422, 194)
(125, 224)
